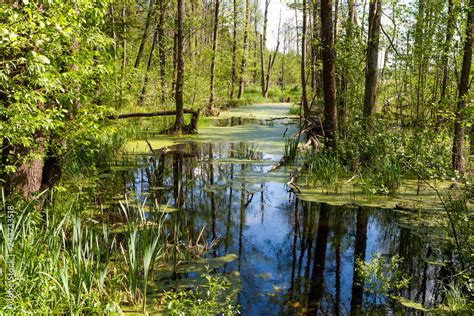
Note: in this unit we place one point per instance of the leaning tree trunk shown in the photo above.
(458, 141)
(148, 68)
(329, 73)
(262, 65)
(243, 65)
(371, 75)
(124, 53)
(161, 51)
(271, 62)
(145, 35)
(304, 85)
(211, 108)
(179, 123)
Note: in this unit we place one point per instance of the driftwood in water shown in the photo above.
(292, 184)
(191, 128)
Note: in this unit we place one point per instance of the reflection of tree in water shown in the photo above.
(315, 261)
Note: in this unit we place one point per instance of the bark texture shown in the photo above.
(371, 75)
(458, 141)
(329, 70)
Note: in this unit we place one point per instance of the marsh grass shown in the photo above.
(291, 148)
(64, 261)
(248, 151)
(61, 263)
(379, 158)
(323, 170)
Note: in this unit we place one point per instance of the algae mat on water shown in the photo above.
(408, 195)
(268, 138)
(265, 111)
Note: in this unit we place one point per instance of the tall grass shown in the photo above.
(379, 158)
(291, 148)
(60, 264)
(64, 262)
(323, 170)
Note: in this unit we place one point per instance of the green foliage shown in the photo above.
(456, 300)
(382, 276)
(383, 157)
(211, 298)
(248, 151)
(291, 148)
(61, 263)
(54, 57)
(324, 169)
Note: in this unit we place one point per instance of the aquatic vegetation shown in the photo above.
(211, 298)
(291, 148)
(61, 263)
(248, 151)
(323, 170)
(379, 161)
(382, 276)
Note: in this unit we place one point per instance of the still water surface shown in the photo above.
(294, 257)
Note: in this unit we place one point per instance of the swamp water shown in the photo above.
(290, 256)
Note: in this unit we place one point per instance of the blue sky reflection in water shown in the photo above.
(293, 256)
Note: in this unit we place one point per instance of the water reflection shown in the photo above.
(294, 257)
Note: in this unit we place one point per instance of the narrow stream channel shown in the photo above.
(293, 257)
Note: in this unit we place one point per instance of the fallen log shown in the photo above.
(192, 127)
(150, 114)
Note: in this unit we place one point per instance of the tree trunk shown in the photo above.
(124, 52)
(255, 44)
(148, 67)
(304, 97)
(314, 48)
(161, 51)
(145, 34)
(458, 141)
(271, 62)
(343, 111)
(263, 46)
(179, 123)
(262, 65)
(375, 13)
(472, 140)
(297, 33)
(329, 70)
(243, 65)
(336, 13)
(114, 39)
(211, 108)
(360, 247)
(234, 50)
(447, 49)
(418, 52)
(28, 175)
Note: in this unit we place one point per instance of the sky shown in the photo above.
(273, 17)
